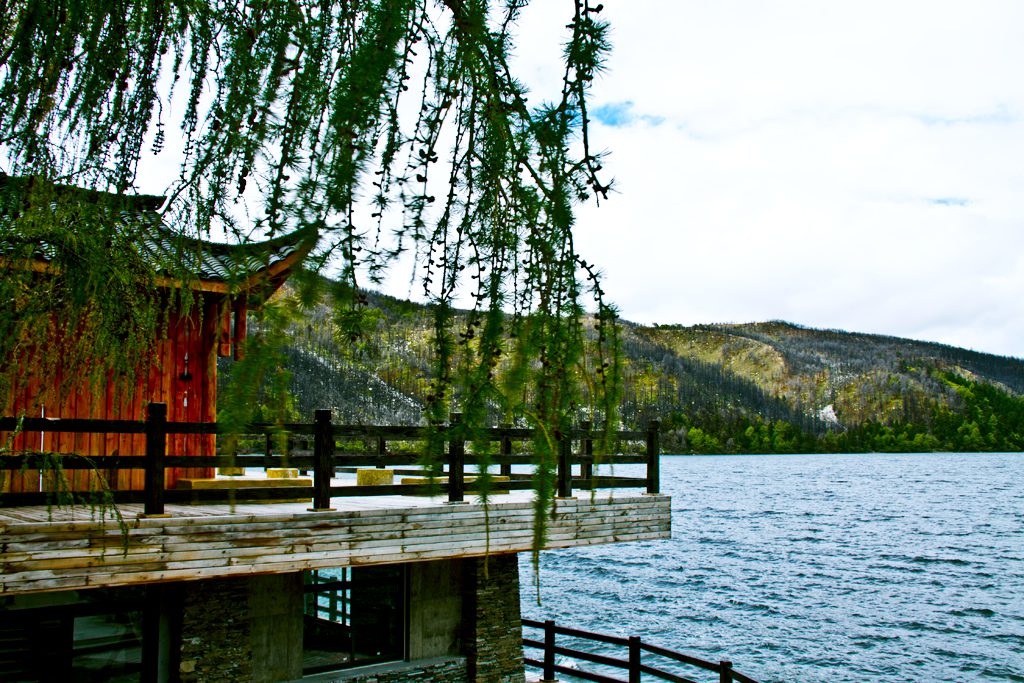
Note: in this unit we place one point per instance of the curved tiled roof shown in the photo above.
(208, 265)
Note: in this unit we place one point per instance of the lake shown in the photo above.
(799, 568)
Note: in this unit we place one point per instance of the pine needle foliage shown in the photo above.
(92, 312)
(387, 127)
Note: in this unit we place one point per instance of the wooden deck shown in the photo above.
(58, 549)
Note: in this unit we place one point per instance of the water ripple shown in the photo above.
(818, 568)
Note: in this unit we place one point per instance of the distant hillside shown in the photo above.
(850, 391)
(762, 387)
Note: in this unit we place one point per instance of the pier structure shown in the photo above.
(410, 581)
(164, 570)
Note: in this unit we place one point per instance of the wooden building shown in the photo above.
(226, 280)
(383, 588)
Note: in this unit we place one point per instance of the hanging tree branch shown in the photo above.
(302, 115)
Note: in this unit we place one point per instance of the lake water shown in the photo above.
(799, 568)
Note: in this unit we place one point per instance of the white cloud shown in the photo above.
(852, 166)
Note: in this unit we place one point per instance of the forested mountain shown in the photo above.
(760, 387)
(849, 391)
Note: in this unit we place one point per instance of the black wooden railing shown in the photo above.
(632, 664)
(324, 460)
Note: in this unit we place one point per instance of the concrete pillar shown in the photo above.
(160, 621)
(435, 609)
(276, 603)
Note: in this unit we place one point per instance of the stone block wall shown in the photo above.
(242, 629)
(215, 642)
(494, 641)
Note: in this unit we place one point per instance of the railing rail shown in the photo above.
(324, 459)
(632, 664)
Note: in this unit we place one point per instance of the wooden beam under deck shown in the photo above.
(62, 549)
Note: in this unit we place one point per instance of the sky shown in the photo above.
(855, 165)
(843, 165)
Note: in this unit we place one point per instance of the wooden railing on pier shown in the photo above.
(632, 663)
(324, 460)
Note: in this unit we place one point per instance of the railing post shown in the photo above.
(268, 452)
(634, 659)
(506, 450)
(653, 457)
(382, 449)
(456, 461)
(549, 650)
(587, 451)
(156, 449)
(725, 672)
(564, 466)
(323, 460)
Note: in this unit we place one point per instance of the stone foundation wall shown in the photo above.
(215, 642)
(494, 644)
(242, 629)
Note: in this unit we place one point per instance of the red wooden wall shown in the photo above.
(190, 397)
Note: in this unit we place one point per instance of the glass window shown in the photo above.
(353, 616)
(87, 636)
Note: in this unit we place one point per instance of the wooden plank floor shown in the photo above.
(38, 514)
(60, 549)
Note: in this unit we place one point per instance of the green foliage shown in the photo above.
(879, 393)
(295, 117)
(990, 420)
(258, 388)
(701, 442)
(94, 311)
(888, 404)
